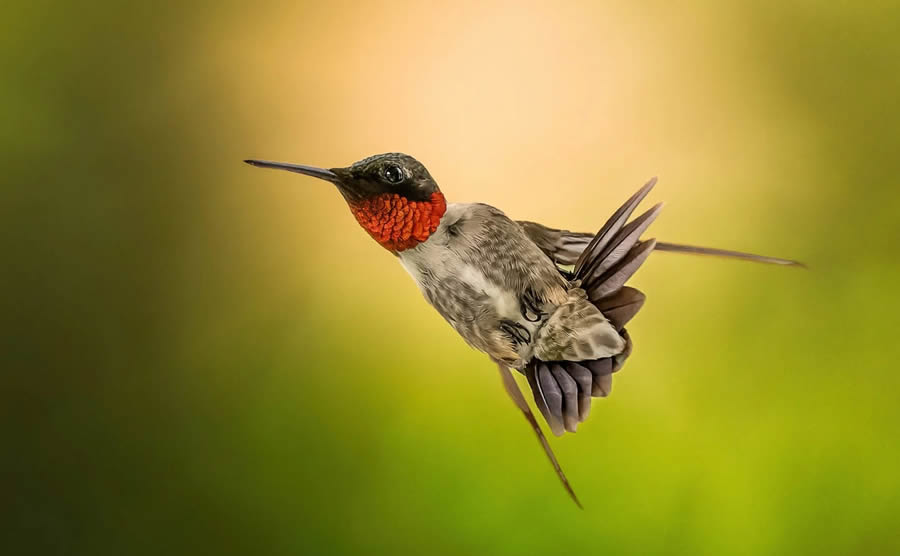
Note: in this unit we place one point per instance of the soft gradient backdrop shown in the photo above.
(203, 357)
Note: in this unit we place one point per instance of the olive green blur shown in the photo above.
(201, 357)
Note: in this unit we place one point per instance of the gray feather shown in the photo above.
(603, 386)
(613, 225)
(537, 391)
(621, 306)
(723, 253)
(618, 275)
(570, 396)
(552, 395)
(584, 379)
(601, 369)
(619, 247)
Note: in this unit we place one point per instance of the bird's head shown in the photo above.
(392, 196)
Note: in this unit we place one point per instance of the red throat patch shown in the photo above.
(398, 223)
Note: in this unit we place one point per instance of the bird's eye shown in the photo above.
(393, 173)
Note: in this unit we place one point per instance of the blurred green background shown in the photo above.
(201, 357)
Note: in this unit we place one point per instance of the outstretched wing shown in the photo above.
(562, 384)
(564, 247)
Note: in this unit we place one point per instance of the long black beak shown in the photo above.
(320, 173)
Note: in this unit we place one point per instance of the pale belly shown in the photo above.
(487, 314)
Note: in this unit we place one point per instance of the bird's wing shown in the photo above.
(564, 375)
(564, 247)
(509, 383)
(574, 357)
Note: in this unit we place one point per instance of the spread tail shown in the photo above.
(563, 389)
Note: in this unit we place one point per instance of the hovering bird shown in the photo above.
(505, 285)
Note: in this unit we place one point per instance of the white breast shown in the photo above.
(441, 256)
(442, 260)
(506, 304)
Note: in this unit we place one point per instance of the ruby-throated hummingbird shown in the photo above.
(503, 286)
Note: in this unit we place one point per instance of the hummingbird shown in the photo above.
(548, 303)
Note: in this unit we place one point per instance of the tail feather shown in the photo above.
(602, 370)
(562, 390)
(537, 372)
(585, 382)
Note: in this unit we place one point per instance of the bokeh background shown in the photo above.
(203, 357)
